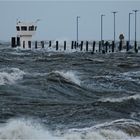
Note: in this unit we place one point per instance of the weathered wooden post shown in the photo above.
(93, 47)
(50, 43)
(120, 45)
(81, 46)
(64, 45)
(72, 44)
(56, 45)
(35, 44)
(18, 41)
(42, 44)
(106, 46)
(127, 45)
(99, 46)
(136, 50)
(113, 45)
(23, 44)
(29, 44)
(75, 44)
(13, 42)
(87, 46)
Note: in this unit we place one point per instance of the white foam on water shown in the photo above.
(97, 135)
(10, 76)
(121, 99)
(22, 129)
(70, 76)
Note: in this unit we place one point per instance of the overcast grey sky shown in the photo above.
(58, 18)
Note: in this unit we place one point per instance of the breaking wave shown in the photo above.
(10, 76)
(28, 129)
(121, 99)
(68, 76)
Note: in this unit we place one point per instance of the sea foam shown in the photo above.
(28, 129)
(10, 76)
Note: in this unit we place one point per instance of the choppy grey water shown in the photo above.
(69, 96)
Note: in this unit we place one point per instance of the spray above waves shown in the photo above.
(10, 75)
(29, 129)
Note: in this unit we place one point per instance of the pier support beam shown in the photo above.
(35, 44)
(13, 42)
(81, 46)
(42, 44)
(86, 46)
(64, 45)
(50, 43)
(56, 45)
(72, 43)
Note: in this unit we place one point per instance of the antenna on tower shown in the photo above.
(37, 20)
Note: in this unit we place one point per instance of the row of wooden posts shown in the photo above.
(104, 47)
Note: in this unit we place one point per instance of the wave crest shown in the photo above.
(28, 129)
(10, 76)
(67, 76)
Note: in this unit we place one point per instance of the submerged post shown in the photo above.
(136, 50)
(35, 44)
(50, 43)
(42, 44)
(81, 47)
(120, 45)
(64, 45)
(99, 46)
(106, 46)
(72, 44)
(87, 46)
(127, 45)
(18, 41)
(113, 45)
(13, 42)
(93, 49)
(56, 45)
(29, 44)
(75, 44)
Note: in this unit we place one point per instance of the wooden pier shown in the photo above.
(81, 46)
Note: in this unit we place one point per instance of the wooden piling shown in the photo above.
(120, 46)
(35, 44)
(93, 47)
(42, 44)
(106, 46)
(50, 43)
(135, 47)
(113, 45)
(75, 44)
(23, 44)
(81, 46)
(18, 41)
(64, 45)
(29, 44)
(13, 42)
(99, 46)
(127, 45)
(56, 45)
(87, 46)
(72, 44)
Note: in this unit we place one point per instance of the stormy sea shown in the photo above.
(49, 95)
